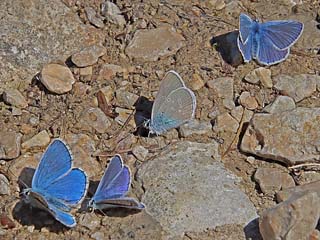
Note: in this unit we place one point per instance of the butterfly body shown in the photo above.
(173, 106)
(269, 42)
(56, 186)
(113, 187)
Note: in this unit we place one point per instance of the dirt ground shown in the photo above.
(199, 23)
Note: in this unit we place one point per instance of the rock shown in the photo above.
(124, 115)
(195, 126)
(151, 44)
(126, 99)
(285, 194)
(88, 56)
(57, 78)
(81, 89)
(98, 236)
(280, 104)
(49, 31)
(248, 101)
(82, 148)
(95, 118)
(223, 88)
(197, 82)
(4, 185)
(40, 140)
(260, 74)
(217, 4)
(298, 87)
(288, 143)
(10, 145)
(90, 221)
(226, 127)
(86, 71)
(108, 71)
(272, 180)
(93, 18)
(134, 226)
(140, 152)
(112, 13)
(14, 98)
(202, 194)
(108, 92)
(241, 114)
(294, 219)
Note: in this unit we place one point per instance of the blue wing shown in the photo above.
(179, 108)
(65, 218)
(245, 49)
(245, 27)
(282, 34)
(268, 54)
(55, 162)
(113, 184)
(71, 188)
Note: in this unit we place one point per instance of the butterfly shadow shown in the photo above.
(28, 216)
(143, 113)
(251, 230)
(112, 212)
(227, 45)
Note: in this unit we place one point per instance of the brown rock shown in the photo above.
(108, 71)
(284, 194)
(14, 98)
(39, 140)
(260, 74)
(294, 219)
(88, 56)
(10, 145)
(150, 45)
(280, 104)
(112, 13)
(248, 101)
(126, 99)
(197, 82)
(93, 18)
(292, 143)
(95, 118)
(272, 180)
(223, 89)
(57, 78)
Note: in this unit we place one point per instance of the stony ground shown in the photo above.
(87, 72)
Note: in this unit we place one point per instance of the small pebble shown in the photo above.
(248, 101)
(86, 71)
(4, 185)
(197, 82)
(15, 98)
(57, 78)
(140, 152)
(88, 56)
(42, 139)
(93, 18)
(112, 13)
(95, 118)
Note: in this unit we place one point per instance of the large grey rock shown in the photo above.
(188, 190)
(290, 137)
(35, 32)
(298, 87)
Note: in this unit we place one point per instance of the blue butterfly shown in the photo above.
(174, 105)
(113, 187)
(269, 43)
(56, 186)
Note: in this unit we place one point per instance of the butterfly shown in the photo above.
(173, 106)
(56, 186)
(113, 187)
(269, 43)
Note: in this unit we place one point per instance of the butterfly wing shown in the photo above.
(55, 162)
(245, 49)
(245, 26)
(125, 202)
(64, 217)
(115, 182)
(282, 34)
(268, 54)
(179, 108)
(71, 188)
(170, 82)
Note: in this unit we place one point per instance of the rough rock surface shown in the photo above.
(296, 141)
(10, 144)
(294, 219)
(44, 31)
(149, 45)
(187, 190)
